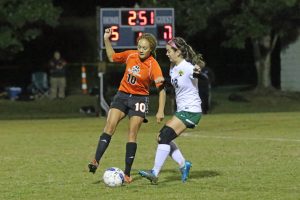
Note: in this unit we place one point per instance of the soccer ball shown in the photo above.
(113, 177)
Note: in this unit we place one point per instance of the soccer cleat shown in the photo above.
(185, 171)
(127, 179)
(149, 175)
(93, 166)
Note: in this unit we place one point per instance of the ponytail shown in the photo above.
(187, 51)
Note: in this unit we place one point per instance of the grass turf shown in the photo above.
(235, 156)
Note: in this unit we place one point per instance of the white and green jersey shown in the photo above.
(186, 87)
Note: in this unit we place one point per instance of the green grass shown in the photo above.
(69, 108)
(270, 101)
(45, 108)
(242, 150)
(235, 156)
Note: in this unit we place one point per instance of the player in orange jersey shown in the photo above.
(133, 95)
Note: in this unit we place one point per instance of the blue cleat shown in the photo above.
(149, 175)
(185, 171)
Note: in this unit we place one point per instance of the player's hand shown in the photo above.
(159, 80)
(197, 69)
(107, 33)
(159, 117)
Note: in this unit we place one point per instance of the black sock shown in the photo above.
(130, 154)
(103, 143)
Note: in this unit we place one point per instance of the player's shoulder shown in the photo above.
(128, 53)
(151, 60)
(132, 53)
(188, 64)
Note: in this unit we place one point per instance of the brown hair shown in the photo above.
(152, 41)
(187, 51)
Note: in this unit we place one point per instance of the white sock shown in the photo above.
(178, 157)
(162, 153)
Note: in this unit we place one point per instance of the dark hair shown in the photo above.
(187, 51)
(152, 41)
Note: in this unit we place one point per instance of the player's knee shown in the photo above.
(166, 135)
(110, 126)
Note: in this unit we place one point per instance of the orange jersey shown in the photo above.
(138, 75)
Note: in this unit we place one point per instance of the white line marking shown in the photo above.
(239, 138)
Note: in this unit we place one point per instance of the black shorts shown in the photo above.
(131, 105)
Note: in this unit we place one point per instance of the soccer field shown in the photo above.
(234, 156)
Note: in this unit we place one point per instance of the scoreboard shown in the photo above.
(129, 23)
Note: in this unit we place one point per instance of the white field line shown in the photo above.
(190, 134)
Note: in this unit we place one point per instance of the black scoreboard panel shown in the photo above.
(128, 23)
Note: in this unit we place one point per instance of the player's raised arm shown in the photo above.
(109, 50)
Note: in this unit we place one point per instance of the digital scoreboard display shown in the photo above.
(129, 23)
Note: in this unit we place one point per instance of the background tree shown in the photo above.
(262, 22)
(22, 21)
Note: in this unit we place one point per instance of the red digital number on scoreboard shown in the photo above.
(138, 17)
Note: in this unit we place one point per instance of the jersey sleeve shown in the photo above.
(157, 75)
(122, 56)
(191, 71)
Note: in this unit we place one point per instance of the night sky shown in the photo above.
(87, 8)
(76, 47)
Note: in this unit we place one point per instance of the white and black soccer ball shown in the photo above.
(113, 177)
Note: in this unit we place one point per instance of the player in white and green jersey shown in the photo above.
(185, 66)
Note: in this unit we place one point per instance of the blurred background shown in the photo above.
(248, 45)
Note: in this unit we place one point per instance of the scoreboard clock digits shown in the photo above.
(137, 17)
(128, 24)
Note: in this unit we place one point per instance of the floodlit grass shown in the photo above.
(235, 156)
(45, 108)
(69, 108)
(275, 101)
